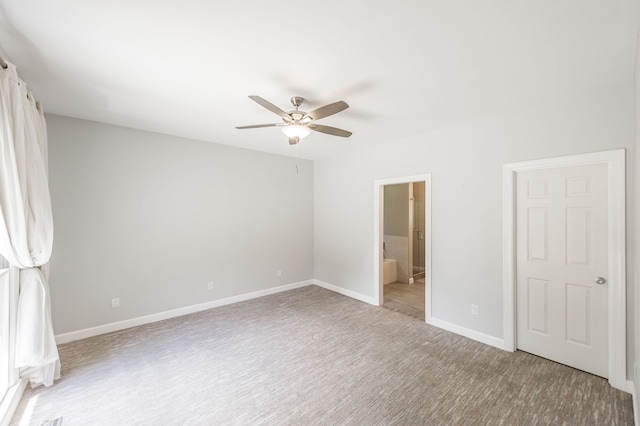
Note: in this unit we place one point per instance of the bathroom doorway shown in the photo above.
(402, 276)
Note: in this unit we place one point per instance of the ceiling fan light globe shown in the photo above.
(296, 131)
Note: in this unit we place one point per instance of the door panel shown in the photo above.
(561, 231)
(578, 230)
(578, 320)
(538, 306)
(538, 233)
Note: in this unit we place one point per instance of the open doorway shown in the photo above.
(403, 248)
(402, 235)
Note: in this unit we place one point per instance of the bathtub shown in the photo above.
(389, 271)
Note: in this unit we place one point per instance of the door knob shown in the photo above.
(600, 280)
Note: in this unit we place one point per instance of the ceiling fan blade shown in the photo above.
(268, 105)
(256, 126)
(328, 110)
(330, 130)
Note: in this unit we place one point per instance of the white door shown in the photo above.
(562, 293)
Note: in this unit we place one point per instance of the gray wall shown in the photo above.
(152, 219)
(466, 166)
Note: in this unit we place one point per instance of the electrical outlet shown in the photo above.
(474, 309)
(279, 273)
(115, 302)
(210, 285)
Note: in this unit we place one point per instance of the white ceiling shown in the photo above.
(405, 67)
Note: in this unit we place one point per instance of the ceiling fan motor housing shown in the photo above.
(296, 101)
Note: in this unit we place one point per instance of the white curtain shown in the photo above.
(26, 224)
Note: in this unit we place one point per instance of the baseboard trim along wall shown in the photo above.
(345, 292)
(466, 332)
(10, 402)
(630, 388)
(134, 322)
(148, 319)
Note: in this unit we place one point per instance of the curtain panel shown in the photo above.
(26, 224)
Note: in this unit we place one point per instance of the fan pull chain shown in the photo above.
(297, 170)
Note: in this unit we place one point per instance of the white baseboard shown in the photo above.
(466, 332)
(134, 322)
(10, 402)
(345, 292)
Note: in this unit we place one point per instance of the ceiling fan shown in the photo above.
(298, 124)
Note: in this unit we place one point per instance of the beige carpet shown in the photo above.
(311, 356)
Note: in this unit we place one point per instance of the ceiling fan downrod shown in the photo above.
(296, 101)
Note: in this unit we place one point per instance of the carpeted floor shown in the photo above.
(311, 356)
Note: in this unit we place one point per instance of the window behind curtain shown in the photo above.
(5, 368)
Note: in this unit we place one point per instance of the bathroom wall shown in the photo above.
(396, 227)
(396, 210)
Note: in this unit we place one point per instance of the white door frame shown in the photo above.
(9, 401)
(615, 161)
(378, 221)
